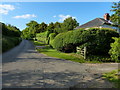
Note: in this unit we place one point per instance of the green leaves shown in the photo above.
(115, 18)
(9, 30)
(115, 49)
(96, 40)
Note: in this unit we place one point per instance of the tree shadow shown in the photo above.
(43, 79)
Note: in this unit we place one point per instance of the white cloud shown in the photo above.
(63, 17)
(55, 16)
(25, 16)
(5, 8)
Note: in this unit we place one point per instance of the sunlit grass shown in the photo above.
(49, 51)
(54, 53)
(113, 77)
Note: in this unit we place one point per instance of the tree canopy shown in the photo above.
(9, 30)
(33, 27)
(115, 18)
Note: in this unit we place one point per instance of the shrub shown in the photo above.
(43, 37)
(96, 40)
(51, 38)
(99, 41)
(115, 49)
(6, 42)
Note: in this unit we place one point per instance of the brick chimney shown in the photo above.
(107, 16)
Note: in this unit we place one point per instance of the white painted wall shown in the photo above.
(112, 27)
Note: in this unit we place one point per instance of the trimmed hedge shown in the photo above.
(96, 40)
(9, 42)
(43, 37)
(51, 38)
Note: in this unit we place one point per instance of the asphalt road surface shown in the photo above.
(24, 67)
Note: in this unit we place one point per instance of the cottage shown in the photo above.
(100, 23)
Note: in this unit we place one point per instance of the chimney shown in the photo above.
(107, 16)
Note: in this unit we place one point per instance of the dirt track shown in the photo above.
(25, 67)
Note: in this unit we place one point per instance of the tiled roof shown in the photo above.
(94, 23)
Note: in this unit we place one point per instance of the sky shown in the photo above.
(20, 13)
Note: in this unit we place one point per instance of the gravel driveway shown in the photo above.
(24, 67)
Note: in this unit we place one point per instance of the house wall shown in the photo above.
(112, 27)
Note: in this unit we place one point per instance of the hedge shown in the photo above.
(9, 42)
(43, 37)
(96, 40)
(51, 38)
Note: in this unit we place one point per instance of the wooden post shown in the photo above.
(85, 52)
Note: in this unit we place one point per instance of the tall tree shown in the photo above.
(57, 27)
(115, 18)
(69, 24)
(32, 27)
(51, 27)
(41, 27)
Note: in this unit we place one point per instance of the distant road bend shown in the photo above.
(24, 67)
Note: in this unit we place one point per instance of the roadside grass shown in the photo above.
(57, 54)
(38, 43)
(114, 77)
(49, 51)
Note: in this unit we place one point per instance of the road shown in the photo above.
(24, 67)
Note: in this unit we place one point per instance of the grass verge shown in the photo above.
(49, 51)
(113, 77)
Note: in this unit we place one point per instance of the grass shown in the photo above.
(38, 43)
(113, 77)
(54, 53)
(57, 54)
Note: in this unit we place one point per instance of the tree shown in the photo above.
(32, 28)
(41, 27)
(9, 30)
(57, 27)
(25, 33)
(51, 27)
(69, 24)
(115, 18)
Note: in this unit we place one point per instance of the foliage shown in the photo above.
(51, 37)
(113, 77)
(10, 36)
(115, 49)
(50, 27)
(43, 36)
(99, 41)
(30, 31)
(9, 30)
(96, 40)
(6, 42)
(57, 27)
(115, 18)
(69, 24)
(41, 28)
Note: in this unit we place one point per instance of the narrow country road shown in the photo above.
(24, 67)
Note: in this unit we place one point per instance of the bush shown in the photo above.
(115, 50)
(43, 37)
(100, 39)
(51, 38)
(96, 40)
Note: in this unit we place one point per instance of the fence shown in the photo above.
(82, 51)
